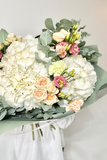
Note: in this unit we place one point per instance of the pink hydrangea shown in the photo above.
(74, 49)
(60, 81)
(60, 47)
(1, 54)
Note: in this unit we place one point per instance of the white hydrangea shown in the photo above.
(17, 79)
(85, 77)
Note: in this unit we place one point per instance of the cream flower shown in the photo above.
(51, 99)
(58, 36)
(40, 94)
(11, 37)
(19, 74)
(64, 32)
(52, 89)
(84, 78)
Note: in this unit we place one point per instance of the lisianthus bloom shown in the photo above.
(1, 54)
(60, 47)
(51, 99)
(40, 94)
(74, 49)
(75, 105)
(60, 81)
(42, 81)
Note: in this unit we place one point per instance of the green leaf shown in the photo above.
(20, 109)
(81, 44)
(40, 115)
(53, 54)
(47, 66)
(66, 24)
(44, 49)
(46, 38)
(74, 22)
(49, 24)
(81, 28)
(11, 111)
(60, 109)
(3, 113)
(46, 107)
(47, 116)
(83, 35)
(38, 59)
(3, 35)
(43, 30)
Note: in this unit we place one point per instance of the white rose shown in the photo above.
(58, 37)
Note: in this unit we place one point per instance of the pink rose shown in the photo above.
(60, 81)
(74, 49)
(1, 54)
(60, 47)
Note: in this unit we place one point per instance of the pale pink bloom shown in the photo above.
(75, 105)
(60, 81)
(62, 44)
(42, 81)
(40, 94)
(61, 49)
(51, 99)
(1, 54)
(74, 49)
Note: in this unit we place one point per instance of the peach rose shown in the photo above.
(75, 105)
(51, 99)
(40, 94)
(42, 81)
(52, 89)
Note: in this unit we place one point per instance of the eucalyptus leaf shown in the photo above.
(47, 116)
(43, 30)
(60, 109)
(83, 35)
(74, 22)
(38, 59)
(46, 38)
(40, 115)
(44, 49)
(3, 35)
(3, 113)
(20, 109)
(46, 107)
(47, 66)
(81, 44)
(49, 24)
(11, 111)
(53, 54)
(81, 28)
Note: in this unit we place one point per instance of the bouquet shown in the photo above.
(50, 76)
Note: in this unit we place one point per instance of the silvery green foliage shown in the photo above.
(3, 35)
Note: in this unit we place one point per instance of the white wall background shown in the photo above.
(86, 138)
